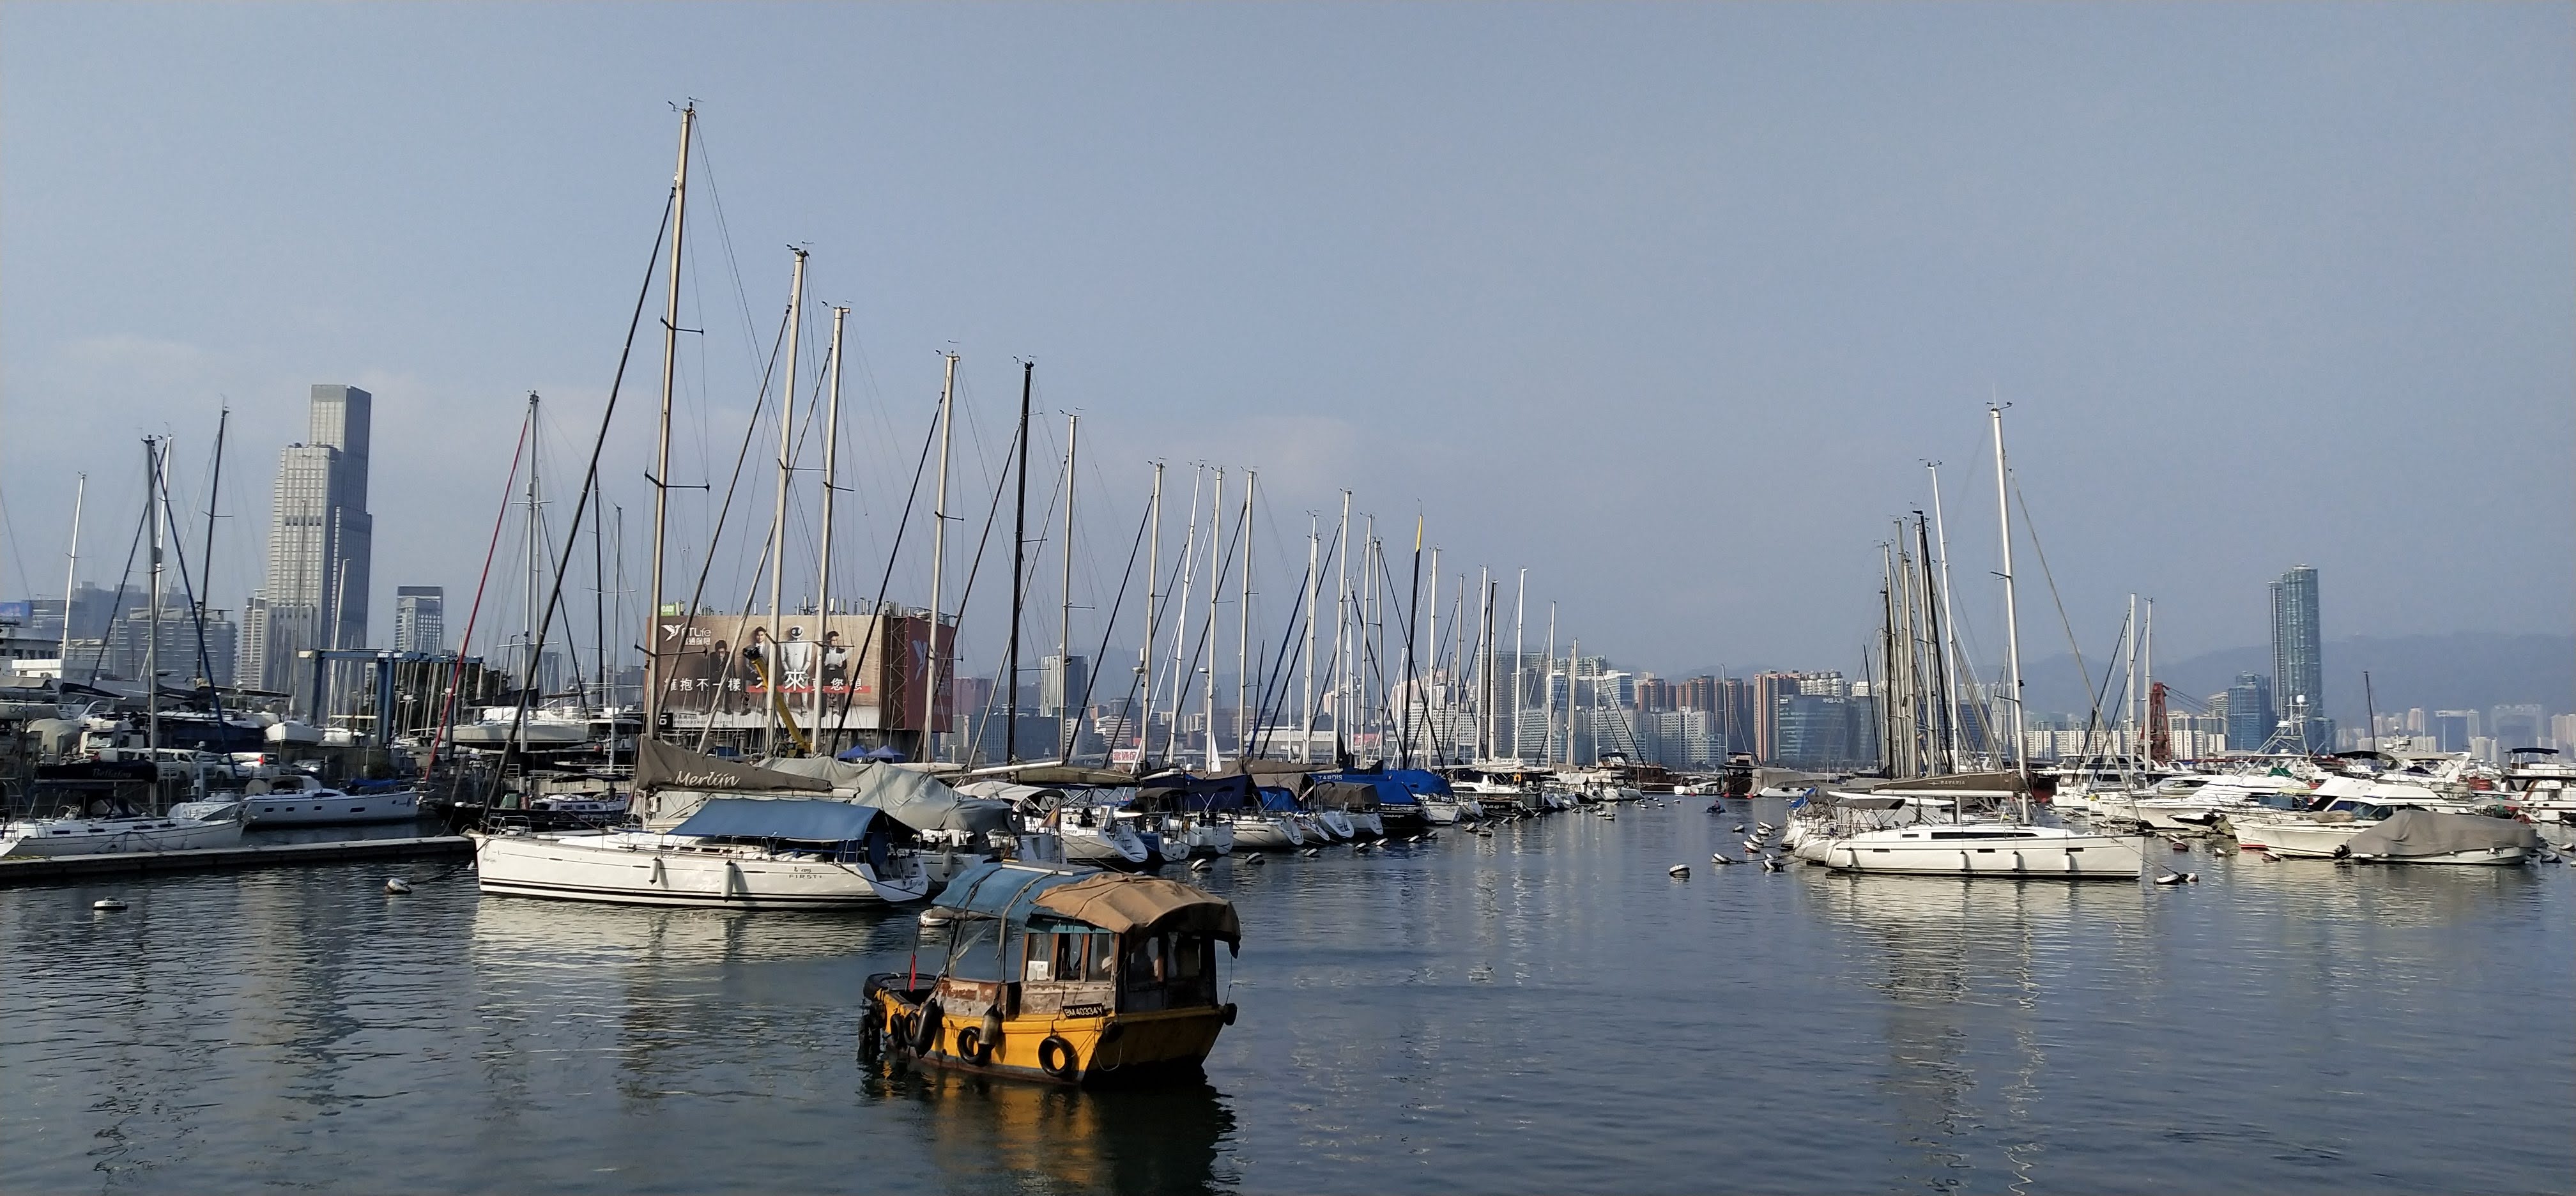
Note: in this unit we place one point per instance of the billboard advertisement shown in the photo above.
(731, 669)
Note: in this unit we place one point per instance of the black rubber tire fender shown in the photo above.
(971, 1046)
(925, 1033)
(1056, 1057)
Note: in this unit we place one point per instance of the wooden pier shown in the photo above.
(44, 869)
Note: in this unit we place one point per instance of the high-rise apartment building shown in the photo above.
(2298, 658)
(321, 542)
(420, 619)
(2249, 712)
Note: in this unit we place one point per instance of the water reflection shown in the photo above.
(1056, 1139)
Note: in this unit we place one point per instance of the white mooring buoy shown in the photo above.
(397, 886)
(109, 904)
(1678, 871)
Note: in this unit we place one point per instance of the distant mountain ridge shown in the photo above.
(2461, 671)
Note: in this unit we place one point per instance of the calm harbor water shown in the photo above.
(1542, 1010)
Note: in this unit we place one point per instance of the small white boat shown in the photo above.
(302, 800)
(1257, 831)
(115, 834)
(1093, 836)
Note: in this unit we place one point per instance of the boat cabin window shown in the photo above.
(1068, 956)
(1168, 970)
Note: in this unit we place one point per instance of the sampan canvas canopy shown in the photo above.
(805, 821)
(1109, 900)
(1119, 902)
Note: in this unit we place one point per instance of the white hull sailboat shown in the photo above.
(114, 835)
(642, 868)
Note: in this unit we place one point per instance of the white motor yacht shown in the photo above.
(299, 799)
(2016, 849)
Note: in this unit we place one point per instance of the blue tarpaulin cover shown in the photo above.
(1004, 890)
(1420, 780)
(806, 821)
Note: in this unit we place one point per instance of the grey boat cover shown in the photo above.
(2410, 834)
(913, 798)
(807, 820)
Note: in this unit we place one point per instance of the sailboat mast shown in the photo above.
(1412, 623)
(1440, 687)
(823, 546)
(528, 687)
(938, 566)
(1019, 573)
(1341, 640)
(152, 511)
(598, 606)
(774, 674)
(1520, 612)
(1547, 746)
(2012, 616)
(2132, 730)
(1950, 643)
(1573, 696)
(1946, 704)
(71, 575)
(214, 496)
(1181, 625)
(1153, 577)
(1216, 581)
(1314, 586)
(662, 447)
(1484, 665)
(1065, 695)
(1243, 628)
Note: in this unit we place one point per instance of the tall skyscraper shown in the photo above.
(2298, 658)
(321, 541)
(420, 619)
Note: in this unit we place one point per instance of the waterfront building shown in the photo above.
(2298, 657)
(321, 544)
(129, 643)
(2249, 712)
(420, 621)
(2452, 730)
(1061, 682)
(2518, 726)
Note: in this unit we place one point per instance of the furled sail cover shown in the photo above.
(915, 799)
(659, 765)
(2408, 833)
(805, 821)
(1115, 901)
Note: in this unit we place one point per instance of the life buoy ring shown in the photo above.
(925, 1034)
(971, 1046)
(1056, 1057)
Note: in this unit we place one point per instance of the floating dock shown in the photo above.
(45, 869)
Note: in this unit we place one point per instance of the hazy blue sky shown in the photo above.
(1665, 303)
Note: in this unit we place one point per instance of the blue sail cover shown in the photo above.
(1205, 794)
(802, 820)
(1390, 791)
(1004, 890)
(1422, 782)
(1280, 801)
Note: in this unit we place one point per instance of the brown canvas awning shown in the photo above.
(1123, 903)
